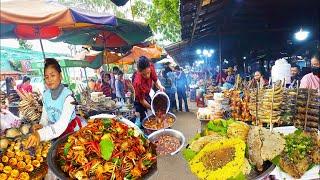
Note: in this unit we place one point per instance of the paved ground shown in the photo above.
(175, 167)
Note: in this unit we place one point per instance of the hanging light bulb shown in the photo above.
(301, 35)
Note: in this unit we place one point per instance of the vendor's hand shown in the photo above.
(33, 140)
(161, 88)
(36, 127)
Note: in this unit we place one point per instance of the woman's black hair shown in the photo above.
(25, 79)
(177, 67)
(143, 63)
(9, 84)
(316, 55)
(104, 75)
(51, 62)
(120, 72)
(165, 74)
(295, 66)
(115, 69)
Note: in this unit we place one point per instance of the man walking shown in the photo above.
(182, 85)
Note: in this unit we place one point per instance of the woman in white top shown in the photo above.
(58, 113)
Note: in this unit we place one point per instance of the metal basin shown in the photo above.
(151, 130)
(54, 164)
(171, 132)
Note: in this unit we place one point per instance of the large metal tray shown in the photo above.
(54, 165)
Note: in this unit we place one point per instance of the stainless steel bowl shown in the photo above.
(151, 130)
(171, 132)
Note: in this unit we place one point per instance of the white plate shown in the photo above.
(108, 116)
(311, 174)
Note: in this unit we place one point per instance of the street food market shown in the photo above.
(159, 90)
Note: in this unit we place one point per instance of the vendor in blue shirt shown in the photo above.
(58, 113)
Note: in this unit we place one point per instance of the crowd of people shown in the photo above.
(171, 79)
(311, 80)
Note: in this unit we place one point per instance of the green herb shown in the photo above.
(196, 137)
(246, 151)
(74, 163)
(276, 160)
(240, 176)
(66, 148)
(131, 132)
(188, 154)
(297, 146)
(128, 176)
(106, 136)
(116, 161)
(143, 139)
(147, 163)
(106, 123)
(106, 147)
(62, 162)
(311, 166)
(219, 126)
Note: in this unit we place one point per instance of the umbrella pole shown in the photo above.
(85, 74)
(104, 52)
(44, 56)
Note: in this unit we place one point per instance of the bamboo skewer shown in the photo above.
(296, 101)
(257, 94)
(306, 115)
(271, 114)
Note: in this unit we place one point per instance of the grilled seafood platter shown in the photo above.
(105, 149)
(301, 153)
(17, 162)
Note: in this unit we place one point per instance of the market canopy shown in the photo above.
(151, 52)
(125, 33)
(44, 19)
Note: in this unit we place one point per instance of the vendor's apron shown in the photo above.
(55, 107)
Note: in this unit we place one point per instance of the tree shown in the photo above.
(23, 44)
(162, 15)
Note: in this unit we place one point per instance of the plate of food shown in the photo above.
(301, 156)
(229, 149)
(105, 148)
(18, 162)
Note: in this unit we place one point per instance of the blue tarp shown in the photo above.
(12, 54)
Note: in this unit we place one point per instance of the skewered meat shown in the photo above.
(308, 110)
(30, 107)
(268, 103)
